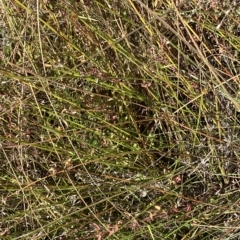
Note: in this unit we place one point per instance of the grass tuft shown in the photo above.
(119, 119)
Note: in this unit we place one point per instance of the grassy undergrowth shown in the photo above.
(119, 119)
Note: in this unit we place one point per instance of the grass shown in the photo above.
(119, 119)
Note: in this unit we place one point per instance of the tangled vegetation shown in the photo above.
(119, 119)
